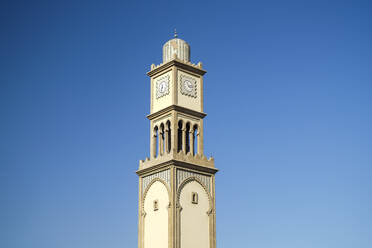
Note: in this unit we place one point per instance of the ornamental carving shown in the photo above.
(164, 175)
(182, 175)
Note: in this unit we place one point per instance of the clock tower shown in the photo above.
(177, 182)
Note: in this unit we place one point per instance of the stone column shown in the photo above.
(191, 135)
(184, 140)
(166, 140)
(201, 138)
(153, 145)
(174, 133)
(199, 147)
(161, 142)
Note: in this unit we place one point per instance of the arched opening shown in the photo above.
(187, 139)
(194, 221)
(195, 140)
(162, 138)
(155, 222)
(168, 126)
(179, 137)
(156, 141)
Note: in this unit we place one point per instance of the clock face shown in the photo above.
(162, 86)
(188, 85)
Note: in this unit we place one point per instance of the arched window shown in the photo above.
(168, 126)
(195, 140)
(156, 141)
(162, 138)
(179, 137)
(187, 138)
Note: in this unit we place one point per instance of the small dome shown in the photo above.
(178, 47)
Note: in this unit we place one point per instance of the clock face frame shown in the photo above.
(188, 86)
(162, 86)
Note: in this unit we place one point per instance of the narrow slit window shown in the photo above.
(156, 205)
(194, 198)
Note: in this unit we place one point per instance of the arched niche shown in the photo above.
(194, 217)
(155, 215)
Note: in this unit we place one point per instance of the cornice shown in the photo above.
(179, 109)
(155, 168)
(196, 167)
(178, 63)
(180, 164)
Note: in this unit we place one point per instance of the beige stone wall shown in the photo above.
(156, 222)
(193, 103)
(194, 221)
(166, 100)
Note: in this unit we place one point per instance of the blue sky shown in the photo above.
(288, 96)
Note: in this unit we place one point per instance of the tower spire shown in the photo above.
(175, 33)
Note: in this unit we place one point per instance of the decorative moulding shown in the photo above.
(177, 108)
(187, 66)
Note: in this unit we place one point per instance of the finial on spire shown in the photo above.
(175, 33)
